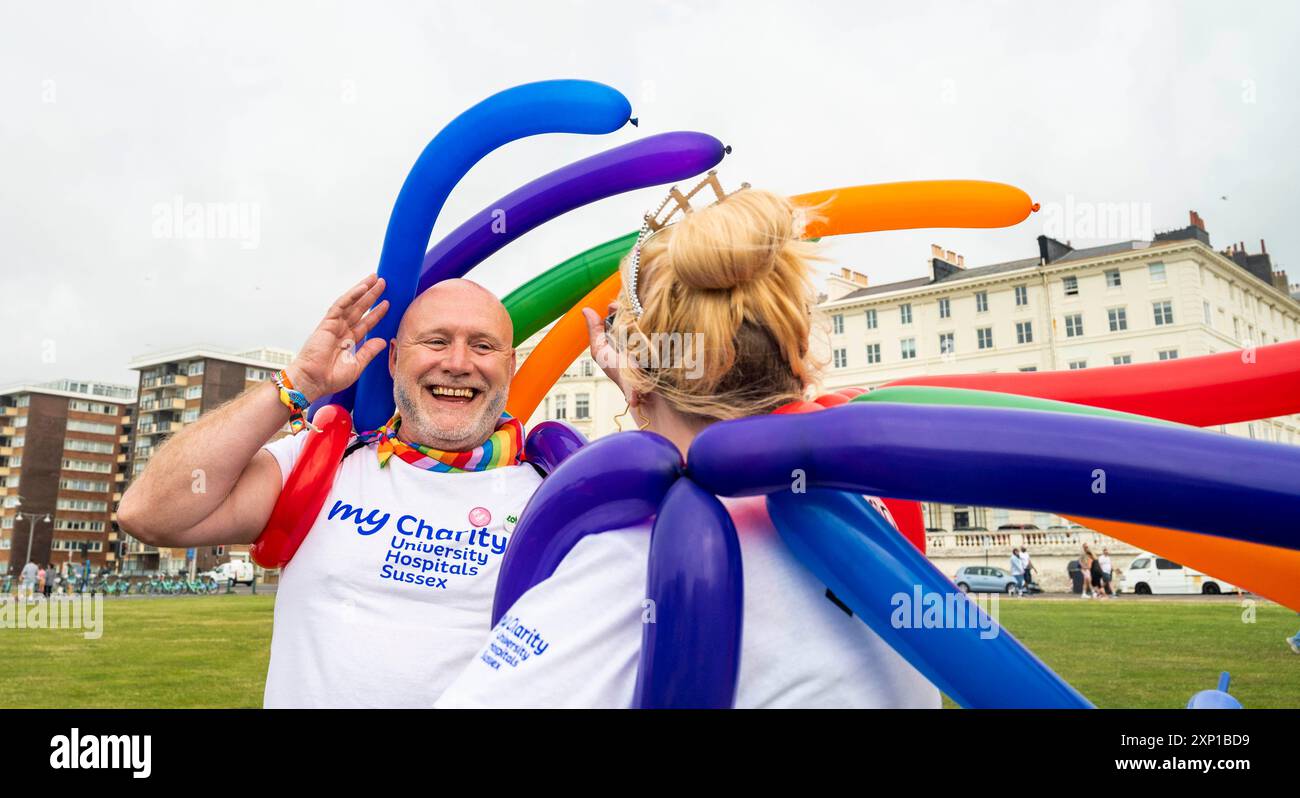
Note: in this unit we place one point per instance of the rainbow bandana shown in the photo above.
(505, 447)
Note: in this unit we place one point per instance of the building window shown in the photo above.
(257, 375)
(96, 429)
(945, 308)
(837, 324)
(81, 505)
(946, 343)
(1121, 360)
(873, 353)
(582, 406)
(1164, 312)
(75, 445)
(984, 337)
(1024, 332)
(1209, 320)
(1022, 296)
(86, 485)
(1071, 285)
(907, 348)
(1167, 354)
(587, 368)
(190, 415)
(981, 301)
(1112, 278)
(1029, 368)
(194, 392)
(1118, 319)
(1157, 272)
(871, 319)
(905, 313)
(1074, 325)
(24, 400)
(195, 368)
(561, 411)
(20, 421)
(1078, 364)
(841, 357)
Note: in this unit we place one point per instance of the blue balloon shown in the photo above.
(882, 577)
(611, 483)
(552, 106)
(690, 655)
(1215, 699)
(1174, 477)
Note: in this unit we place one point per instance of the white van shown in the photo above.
(1150, 574)
(239, 570)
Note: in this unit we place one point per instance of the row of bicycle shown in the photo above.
(119, 585)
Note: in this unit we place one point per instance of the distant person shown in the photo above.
(51, 574)
(1106, 570)
(40, 580)
(28, 578)
(1029, 567)
(1086, 561)
(1018, 571)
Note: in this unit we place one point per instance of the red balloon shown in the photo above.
(1224, 388)
(306, 489)
(832, 399)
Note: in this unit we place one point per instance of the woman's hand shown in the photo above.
(327, 363)
(602, 351)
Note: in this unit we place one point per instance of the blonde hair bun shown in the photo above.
(718, 250)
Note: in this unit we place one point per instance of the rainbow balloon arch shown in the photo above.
(1034, 441)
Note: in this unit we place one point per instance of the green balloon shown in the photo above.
(548, 296)
(966, 397)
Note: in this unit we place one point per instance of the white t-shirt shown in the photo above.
(1017, 565)
(575, 639)
(390, 594)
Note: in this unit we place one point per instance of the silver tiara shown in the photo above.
(653, 223)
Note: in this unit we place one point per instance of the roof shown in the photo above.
(996, 268)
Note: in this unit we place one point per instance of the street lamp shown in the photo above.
(31, 528)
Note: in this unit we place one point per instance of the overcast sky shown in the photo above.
(309, 115)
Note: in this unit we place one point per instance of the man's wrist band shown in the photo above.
(293, 399)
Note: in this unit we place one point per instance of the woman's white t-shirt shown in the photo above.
(389, 595)
(575, 639)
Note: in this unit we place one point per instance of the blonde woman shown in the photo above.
(1085, 566)
(732, 279)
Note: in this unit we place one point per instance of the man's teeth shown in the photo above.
(465, 393)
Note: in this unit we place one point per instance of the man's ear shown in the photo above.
(392, 358)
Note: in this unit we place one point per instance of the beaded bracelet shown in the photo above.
(297, 403)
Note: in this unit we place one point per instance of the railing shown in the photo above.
(1046, 541)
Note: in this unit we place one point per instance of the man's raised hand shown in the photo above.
(327, 363)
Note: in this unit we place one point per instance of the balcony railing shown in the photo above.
(1048, 541)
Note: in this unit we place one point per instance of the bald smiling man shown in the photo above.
(391, 593)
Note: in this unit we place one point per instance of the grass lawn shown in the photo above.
(212, 652)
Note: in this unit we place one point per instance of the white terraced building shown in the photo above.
(1131, 302)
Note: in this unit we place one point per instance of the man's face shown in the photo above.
(452, 363)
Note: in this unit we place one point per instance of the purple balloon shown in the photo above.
(654, 160)
(690, 655)
(612, 483)
(1070, 464)
(550, 443)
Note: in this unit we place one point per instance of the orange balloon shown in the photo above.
(1268, 571)
(560, 347)
(852, 209)
(922, 203)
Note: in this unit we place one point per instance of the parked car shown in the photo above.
(1151, 574)
(984, 579)
(241, 571)
(1015, 527)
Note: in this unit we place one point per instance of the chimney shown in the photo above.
(1051, 250)
(1280, 280)
(1263, 250)
(944, 263)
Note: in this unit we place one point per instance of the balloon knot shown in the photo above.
(1034, 207)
